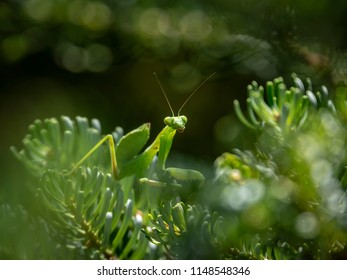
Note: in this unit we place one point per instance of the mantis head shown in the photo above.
(178, 123)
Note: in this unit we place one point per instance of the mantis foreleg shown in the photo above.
(171, 174)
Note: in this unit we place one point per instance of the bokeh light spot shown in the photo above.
(39, 10)
(99, 58)
(96, 16)
(185, 77)
(257, 216)
(73, 58)
(195, 26)
(240, 197)
(14, 47)
(149, 21)
(307, 225)
(92, 15)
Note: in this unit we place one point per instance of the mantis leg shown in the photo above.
(186, 175)
(110, 140)
(169, 176)
(125, 160)
(178, 174)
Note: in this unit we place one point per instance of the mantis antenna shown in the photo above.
(162, 89)
(190, 96)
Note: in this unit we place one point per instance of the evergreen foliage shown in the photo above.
(284, 198)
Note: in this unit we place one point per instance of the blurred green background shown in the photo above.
(96, 59)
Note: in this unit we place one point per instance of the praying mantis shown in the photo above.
(126, 159)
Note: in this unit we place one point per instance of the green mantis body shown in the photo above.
(126, 159)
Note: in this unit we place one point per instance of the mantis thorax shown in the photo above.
(178, 123)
